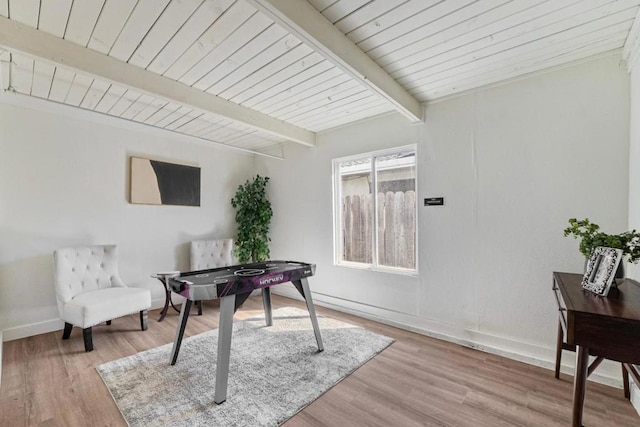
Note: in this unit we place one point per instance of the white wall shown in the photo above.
(634, 183)
(64, 178)
(513, 162)
(634, 161)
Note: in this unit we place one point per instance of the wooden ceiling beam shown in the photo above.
(22, 38)
(301, 19)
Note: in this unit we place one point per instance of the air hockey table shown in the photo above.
(232, 285)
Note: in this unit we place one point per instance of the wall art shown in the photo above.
(160, 183)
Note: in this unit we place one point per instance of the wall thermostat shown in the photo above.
(434, 201)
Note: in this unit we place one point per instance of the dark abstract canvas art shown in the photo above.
(160, 183)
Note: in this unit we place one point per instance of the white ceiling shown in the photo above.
(253, 73)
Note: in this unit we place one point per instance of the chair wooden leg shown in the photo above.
(108, 322)
(88, 340)
(143, 320)
(67, 331)
(559, 342)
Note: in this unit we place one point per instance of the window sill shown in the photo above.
(368, 267)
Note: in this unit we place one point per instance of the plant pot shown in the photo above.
(620, 272)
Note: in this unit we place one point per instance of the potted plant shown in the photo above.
(253, 217)
(592, 237)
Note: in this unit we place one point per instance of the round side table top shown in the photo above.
(166, 274)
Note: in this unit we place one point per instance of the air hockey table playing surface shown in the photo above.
(238, 279)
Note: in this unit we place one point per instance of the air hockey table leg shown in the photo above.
(182, 324)
(266, 302)
(303, 287)
(225, 328)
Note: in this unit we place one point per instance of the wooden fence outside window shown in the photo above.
(396, 229)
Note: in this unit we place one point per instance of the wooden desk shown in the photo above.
(608, 327)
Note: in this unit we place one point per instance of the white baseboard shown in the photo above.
(607, 373)
(406, 321)
(1, 342)
(635, 395)
(32, 329)
(52, 325)
(501, 346)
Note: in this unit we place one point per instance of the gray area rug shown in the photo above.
(274, 373)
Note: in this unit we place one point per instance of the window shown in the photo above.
(376, 232)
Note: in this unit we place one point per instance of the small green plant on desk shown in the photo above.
(592, 237)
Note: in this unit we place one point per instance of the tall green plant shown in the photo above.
(253, 217)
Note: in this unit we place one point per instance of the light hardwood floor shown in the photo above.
(417, 381)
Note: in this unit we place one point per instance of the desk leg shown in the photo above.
(225, 328)
(266, 302)
(625, 382)
(182, 324)
(579, 384)
(303, 287)
(559, 342)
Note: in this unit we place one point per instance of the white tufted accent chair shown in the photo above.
(206, 254)
(211, 254)
(89, 290)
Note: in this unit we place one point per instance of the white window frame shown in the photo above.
(337, 213)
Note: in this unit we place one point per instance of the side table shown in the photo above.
(163, 277)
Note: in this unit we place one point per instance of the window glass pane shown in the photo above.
(357, 210)
(396, 204)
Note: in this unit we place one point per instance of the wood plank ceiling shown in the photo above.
(229, 49)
